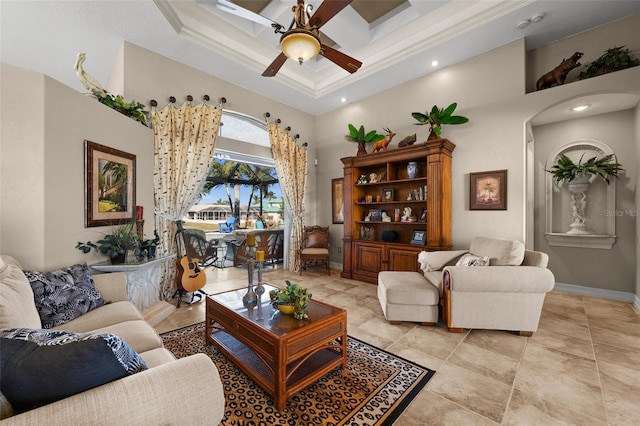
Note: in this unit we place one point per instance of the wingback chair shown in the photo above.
(314, 248)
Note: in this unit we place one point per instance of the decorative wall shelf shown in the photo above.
(583, 241)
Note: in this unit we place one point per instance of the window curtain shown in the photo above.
(184, 142)
(291, 166)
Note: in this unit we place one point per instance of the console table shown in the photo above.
(143, 279)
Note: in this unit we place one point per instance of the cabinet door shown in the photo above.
(403, 259)
(368, 259)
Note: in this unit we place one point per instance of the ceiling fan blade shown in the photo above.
(345, 61)
(327, 10)
(234, 9)
(275, 66)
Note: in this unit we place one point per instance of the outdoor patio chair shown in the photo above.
(198, 247)
(228, 225)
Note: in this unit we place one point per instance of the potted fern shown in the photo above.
(362, 137)
(565, 170)
(437, 117)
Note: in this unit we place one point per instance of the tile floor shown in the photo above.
(582, 366)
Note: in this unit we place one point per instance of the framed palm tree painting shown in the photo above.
(488, 190)
(110, 178)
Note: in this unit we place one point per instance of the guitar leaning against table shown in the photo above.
(189, 277)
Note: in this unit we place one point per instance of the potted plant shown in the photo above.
(148, 247)
(362, 137)
(437, 117)
(614, 59)
(293, 296)
(114, 245)
(566, 170)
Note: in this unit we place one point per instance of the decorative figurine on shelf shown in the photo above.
(386, 217)
(409, 140)
(384, 143)
(558, 75)
(406, 216)
(373, 178)
(362, 180)
(367, 233)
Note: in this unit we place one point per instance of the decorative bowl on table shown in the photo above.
(286, 308)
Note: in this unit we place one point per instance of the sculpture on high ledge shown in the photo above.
(558, 75)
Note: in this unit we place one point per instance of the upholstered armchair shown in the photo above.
(314, 248)
(506, 293)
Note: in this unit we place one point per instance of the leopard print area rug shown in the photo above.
(374, 389)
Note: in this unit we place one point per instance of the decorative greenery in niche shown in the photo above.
(614, 59)
(122, 238)
(566, 170)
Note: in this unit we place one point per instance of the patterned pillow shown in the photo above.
(471, 260)
(42, 366)
(63, 295)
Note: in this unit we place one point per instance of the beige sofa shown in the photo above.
(163, 394)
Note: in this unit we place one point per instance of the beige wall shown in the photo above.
(44, 125)
(585, 266)
(637, 195)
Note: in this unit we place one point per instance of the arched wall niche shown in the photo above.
(600, 199)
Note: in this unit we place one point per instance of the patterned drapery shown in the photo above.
(184, 142)
(291, 166)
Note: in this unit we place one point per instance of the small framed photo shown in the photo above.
(387, 194)
(375, 215)
(110, 182)
(488, 190)
(423, 215)
(419, 237)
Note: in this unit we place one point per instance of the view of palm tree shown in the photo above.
(112, 183)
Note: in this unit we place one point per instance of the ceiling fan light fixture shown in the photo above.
(300, 45)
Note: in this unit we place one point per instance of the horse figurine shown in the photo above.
(382, 144)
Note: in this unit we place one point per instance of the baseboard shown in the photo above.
(621, 296)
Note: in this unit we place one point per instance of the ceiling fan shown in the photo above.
(301, 41)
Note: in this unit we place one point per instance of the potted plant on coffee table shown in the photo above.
(292, 299)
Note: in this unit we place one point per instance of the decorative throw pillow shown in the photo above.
(472, 260)
(434, 260)
(38, 367)
(63, 295)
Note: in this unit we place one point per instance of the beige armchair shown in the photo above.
(506, 295)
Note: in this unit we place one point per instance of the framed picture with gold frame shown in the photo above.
(488, 190)
(337, 200)
(110, 179)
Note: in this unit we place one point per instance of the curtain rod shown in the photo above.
(189, 98)
(288, 128)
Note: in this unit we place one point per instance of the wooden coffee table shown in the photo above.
(282, 354)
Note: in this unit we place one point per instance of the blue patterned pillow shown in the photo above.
(38, 367)
(63, 295)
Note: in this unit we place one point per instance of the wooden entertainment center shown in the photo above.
(379, 183)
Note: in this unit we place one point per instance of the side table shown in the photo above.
(143, 279)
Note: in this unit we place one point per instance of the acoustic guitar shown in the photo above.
(189, 276)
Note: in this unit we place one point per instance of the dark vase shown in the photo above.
(362, 148)
(118, 259)
(389, 236)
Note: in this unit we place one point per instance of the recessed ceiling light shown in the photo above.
(434, 63)
(523, 24)
(580, 108)
(343, 99)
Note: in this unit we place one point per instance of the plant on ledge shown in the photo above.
(293, 295)
(133, 109)
(362, 137)
(116, 244)
(566, 170)
(438, 117)
(614, 59)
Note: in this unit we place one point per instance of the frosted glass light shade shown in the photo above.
(300, 46)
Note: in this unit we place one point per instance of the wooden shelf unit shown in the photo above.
(362, 258)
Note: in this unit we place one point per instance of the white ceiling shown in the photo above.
(45, 36)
